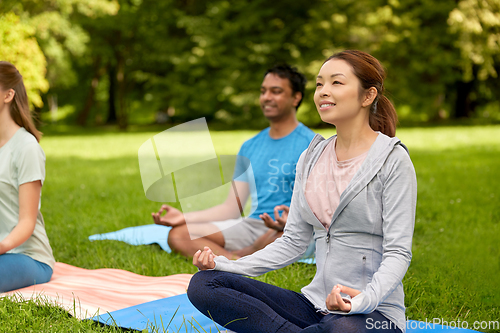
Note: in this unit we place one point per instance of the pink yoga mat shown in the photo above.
(85, 293)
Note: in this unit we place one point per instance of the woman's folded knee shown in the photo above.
(210, 279)
(200, 280)
(201, 285)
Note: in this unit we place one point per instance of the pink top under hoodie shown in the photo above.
(328, 179)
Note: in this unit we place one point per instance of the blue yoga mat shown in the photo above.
(153, 233)
(175, 313)
(141, 235)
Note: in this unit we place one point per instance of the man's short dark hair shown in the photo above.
(297, 80)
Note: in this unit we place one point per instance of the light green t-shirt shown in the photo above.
(22, 160)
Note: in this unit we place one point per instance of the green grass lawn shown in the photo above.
(93, 185)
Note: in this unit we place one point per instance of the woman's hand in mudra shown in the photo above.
(204, 260)
(335, 302)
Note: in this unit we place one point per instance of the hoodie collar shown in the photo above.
(378, 153)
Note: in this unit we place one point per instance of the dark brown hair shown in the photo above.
(10, 78)
(370, 73)
(297, 79)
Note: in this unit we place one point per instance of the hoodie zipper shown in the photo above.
(364, 271)
(327, 242)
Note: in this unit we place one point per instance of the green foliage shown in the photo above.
(56, 25)
(190, 59)
(60, 40)
(19, 47)
(420, 57)
(478, 24)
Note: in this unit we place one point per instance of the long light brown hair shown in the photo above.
(369, 71)
(10, 78)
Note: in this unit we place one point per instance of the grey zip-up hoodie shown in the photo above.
(368, 244)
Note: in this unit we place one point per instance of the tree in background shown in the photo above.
(477, 23)
(121, 61)
(135, 49)
(232, 43)
(19, 47)
(57, 29)
(193, 59)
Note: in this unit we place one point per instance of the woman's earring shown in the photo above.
(374, 107)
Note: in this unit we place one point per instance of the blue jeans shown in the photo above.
(245, 305)
(19, 270)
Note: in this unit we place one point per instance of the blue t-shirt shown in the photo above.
(273, 163)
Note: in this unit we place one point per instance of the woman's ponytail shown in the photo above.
(383, 116)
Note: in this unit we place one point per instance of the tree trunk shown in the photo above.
(111, 96)
(122, 91)
(84, 114)
(463, 104)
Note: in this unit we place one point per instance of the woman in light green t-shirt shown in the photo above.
(25, 254)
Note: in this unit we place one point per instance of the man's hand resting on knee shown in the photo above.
(279, 222)
(173, 217)
(275, 230)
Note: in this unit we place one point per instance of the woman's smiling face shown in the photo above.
(338, 92)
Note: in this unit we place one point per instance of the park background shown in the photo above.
(136, 62)
(104, 76)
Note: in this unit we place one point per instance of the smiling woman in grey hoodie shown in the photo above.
(355, 194)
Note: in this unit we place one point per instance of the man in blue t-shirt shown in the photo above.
(273, 154)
